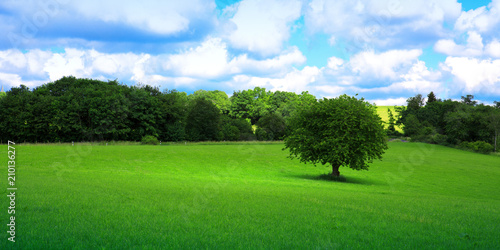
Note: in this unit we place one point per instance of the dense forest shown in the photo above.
(73, 109)
(464, 123)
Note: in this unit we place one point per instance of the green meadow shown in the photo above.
(249, 196)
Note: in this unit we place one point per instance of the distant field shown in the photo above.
(249, 196)
(382, 112)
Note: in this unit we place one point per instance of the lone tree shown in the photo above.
(343, 131)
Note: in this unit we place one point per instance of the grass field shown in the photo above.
(249, 196)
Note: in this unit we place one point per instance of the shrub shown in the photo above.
(230, 133)
(478, 146)
(261, 134)
(149, 140)
(439, 139)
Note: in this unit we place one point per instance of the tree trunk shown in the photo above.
(335, 170)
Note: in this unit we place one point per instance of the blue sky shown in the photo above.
(383, 50)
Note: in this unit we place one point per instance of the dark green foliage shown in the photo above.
(449, 122)
(494, 120)
(202, 121)
(174, 109)
(270, 127)
(343, 131)
(149, 140)
(217, 97)
(477, 146)
(392, 121)
(73, 109)
(431, 98)
(415, 103)
(256, 103)
(412, 125)
(144, 112)
(391, 128)
(250, 104)
(174, 132)
(467, 100)
(235, 129)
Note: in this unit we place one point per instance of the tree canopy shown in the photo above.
(450, 123)
(343, 131)
(76, 109)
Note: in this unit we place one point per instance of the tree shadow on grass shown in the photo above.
(340, 179)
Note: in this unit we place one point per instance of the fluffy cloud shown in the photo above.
(483, 19)
(116, 25)
(493, 49)
(161, 17)
(473, 75)
(211, 60)
(389, 101)
(294, 81)
(263, 26)
(390, 74)
(383, 65)
(474, 47)
(206, 62)
(381, 23)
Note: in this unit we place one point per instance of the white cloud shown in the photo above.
(161, 17)
(415, 80)
(473, 75)
(493, 49)
(294, 81)
(483, 19)
(211, 60)
(335, 63)
(389, 101)
(331, 91)
(368, 23)
(384, 65)
(392, 73)
(207, 60)
(70, 63)
(262, 26)
(474, 46)
(15, 80)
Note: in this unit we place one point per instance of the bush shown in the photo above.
(393, 133)
(261, 134)
(230, 133)
(149, 140)
(439, 139)
(271, 127)
(478, 146)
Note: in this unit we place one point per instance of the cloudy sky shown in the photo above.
(385, 50)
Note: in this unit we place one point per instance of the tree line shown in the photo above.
(465, 123)
(74, 109)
